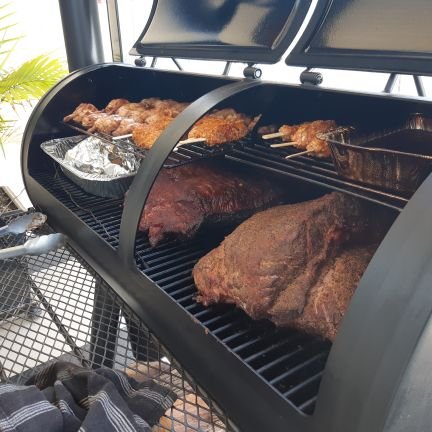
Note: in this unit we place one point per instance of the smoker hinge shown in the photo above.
(250, 71)
(140, 62)
(309, 77)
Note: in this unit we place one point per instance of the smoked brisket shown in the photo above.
(297, 265)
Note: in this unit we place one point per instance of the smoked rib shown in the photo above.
(184, 198)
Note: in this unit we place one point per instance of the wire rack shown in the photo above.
(54, 307)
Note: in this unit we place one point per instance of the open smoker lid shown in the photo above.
(253, 31)
(373, 35)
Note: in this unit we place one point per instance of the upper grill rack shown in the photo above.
(181, 155)
(255, 152)
(320, 172)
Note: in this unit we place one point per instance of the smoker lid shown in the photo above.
(384, 35)
(255, 31)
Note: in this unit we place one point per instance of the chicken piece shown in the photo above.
(145, 135)
(125, 127)
(130, 108)
(106, 125)
(268, 129)
(89, 120)
(149, 103)
(306, 137)
(114, 105)
(82, 110)
(217, 131)
(159, 117)
(288, 131)
(231, 114)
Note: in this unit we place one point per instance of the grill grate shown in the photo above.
(291, 362)
(58, 308)
(101, 214)
(320, 172)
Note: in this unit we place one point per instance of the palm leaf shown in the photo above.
(31, 80)
(7, 27)
(6, 57)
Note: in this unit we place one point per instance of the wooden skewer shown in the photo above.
(299, 154)
(121, 137)
(191, 141)
(272, 135)
(285, 144)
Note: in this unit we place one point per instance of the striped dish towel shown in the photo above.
(66, 397)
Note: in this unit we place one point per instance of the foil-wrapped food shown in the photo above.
(94, 156)
(98, 167)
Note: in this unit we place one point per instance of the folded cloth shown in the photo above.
(67, 397)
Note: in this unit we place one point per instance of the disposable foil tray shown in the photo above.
(396, 160)
(97, 184)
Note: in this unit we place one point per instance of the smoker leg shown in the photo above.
(105, 322)
(143, 347)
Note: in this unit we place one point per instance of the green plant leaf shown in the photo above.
(31, 80)
(7, 27)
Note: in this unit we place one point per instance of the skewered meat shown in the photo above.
(114, 105)
(89, 120)
(82, 110)
(149, 103)
(145, 135)
(283, 262)
(288, 131)
(305, 136)
(185, 197)
(132, 110)
(121, 117)
(106, 125)
(125, 127)
(217, 131)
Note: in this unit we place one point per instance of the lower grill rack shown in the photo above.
(289, 361)
(57, 308)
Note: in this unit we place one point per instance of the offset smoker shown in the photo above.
(264, 378)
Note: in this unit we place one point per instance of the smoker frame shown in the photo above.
(347, 381)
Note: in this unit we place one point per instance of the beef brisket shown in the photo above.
(283, 262)
(185, 197)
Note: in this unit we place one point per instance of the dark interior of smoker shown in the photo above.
(289, 363)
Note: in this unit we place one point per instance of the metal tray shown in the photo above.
(396, 159)
(96, 184)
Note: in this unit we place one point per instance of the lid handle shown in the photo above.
(309, 77)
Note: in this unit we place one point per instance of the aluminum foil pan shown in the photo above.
(397, 160)
(94, 165)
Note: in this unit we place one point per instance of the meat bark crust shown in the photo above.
(185, 197)
(276, 263)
